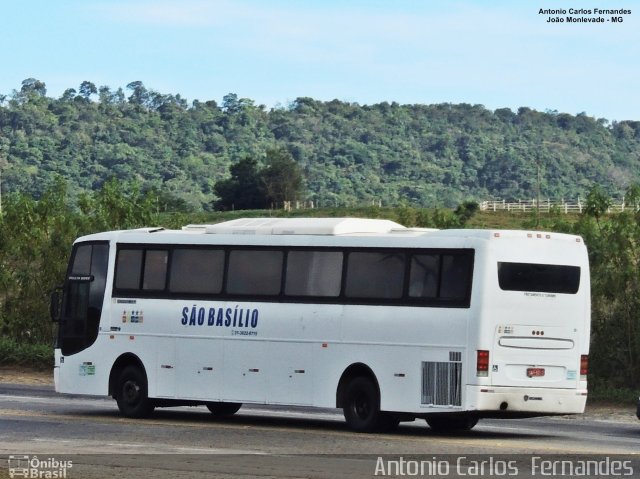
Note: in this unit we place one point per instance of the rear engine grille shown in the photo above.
(442, 382)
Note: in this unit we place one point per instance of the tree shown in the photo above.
(435, 155)
(87, 89)
(68, 95)
(33, 86)
(139, 94)
(244, 190)
(282, 177)
(614, 257)
(465, 211)
(598, 203)
(35, 240)
(231, 103)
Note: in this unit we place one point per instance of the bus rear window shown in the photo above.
(541, 278)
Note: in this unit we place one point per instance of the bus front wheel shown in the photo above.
(223, 409)
(132, 393)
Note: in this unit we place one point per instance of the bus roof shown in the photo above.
(355, 226)
(344, 227)
(301, 226)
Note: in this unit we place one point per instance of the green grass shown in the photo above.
(601, 392)
(38, 356)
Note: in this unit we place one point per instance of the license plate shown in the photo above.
(535, 372)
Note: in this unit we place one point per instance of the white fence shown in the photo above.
(548, 205)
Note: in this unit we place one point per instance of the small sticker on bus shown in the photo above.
(132, 316)
(540, 295)
(87, 369)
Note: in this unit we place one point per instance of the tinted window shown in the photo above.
(129, 268)
(256, 272)
(99, 266)
(155, 269)
(196, 271)
(83, 298)
(455, 277)
(82, 260)
(543, 278)
(423, 280)
(313, 273)
(375, 275)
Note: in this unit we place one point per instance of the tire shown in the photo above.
(443, 424)
(362, 406)
(223, 409)
(132, 393)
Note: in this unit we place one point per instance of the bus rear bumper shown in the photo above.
(505, 401)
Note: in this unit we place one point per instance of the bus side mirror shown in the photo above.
(54, 306)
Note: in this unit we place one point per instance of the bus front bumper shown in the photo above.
(504, 401)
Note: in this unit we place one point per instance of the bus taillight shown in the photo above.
(482, 368)
(584, 366)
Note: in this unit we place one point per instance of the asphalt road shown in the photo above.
(264, 441)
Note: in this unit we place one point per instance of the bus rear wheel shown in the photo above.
(223, 409)
(362, 407)
(452, 423)
(132, 393)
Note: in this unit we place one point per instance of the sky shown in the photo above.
(497, 53)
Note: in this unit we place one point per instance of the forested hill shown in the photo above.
(350, 154)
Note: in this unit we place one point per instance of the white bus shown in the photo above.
(386, 322)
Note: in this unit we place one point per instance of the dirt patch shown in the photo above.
(611, 412)
(22, 375)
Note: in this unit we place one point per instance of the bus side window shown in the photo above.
(196, 271)
(128, 269)
(257, 272)
(423, 278)
(375, 275)
(313, 273)
(455, 276)
(155, 269)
